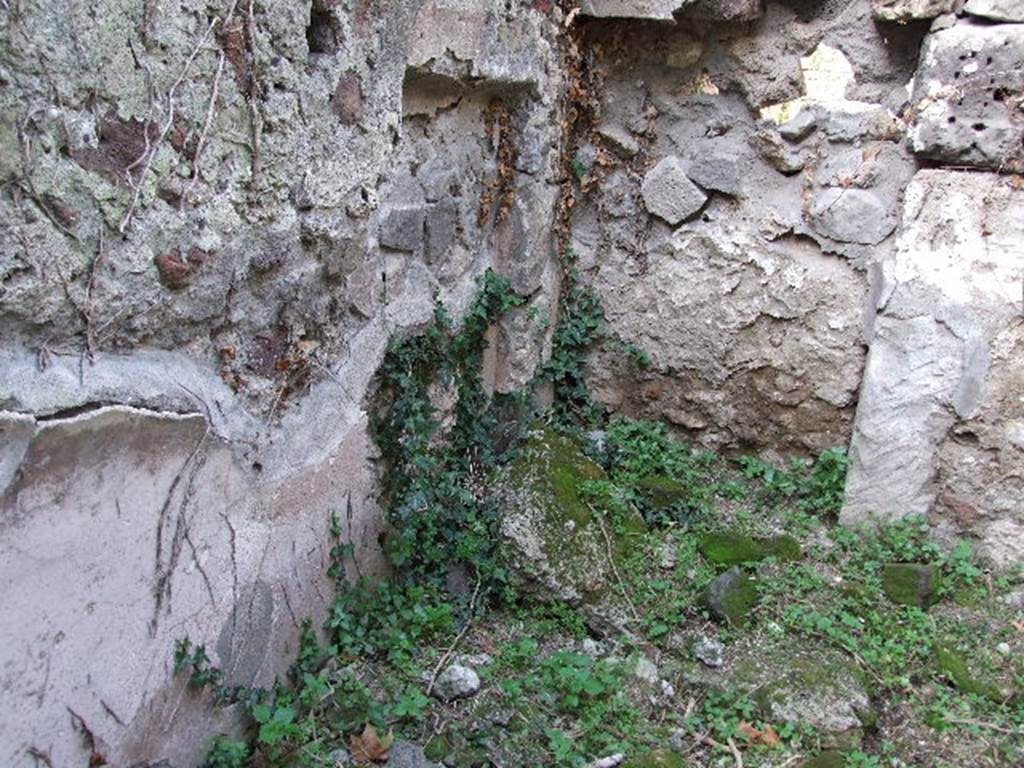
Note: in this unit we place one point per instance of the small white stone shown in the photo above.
(1004, 649)
(456, 682)
(592, 648)
(709, 652)
(646, 671)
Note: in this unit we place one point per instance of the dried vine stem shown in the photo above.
(206, 128)
(26, 177)
(149, 153)
(455, 643)
(611, 562)
(254, 90)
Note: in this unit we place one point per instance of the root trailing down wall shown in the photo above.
(215, 216)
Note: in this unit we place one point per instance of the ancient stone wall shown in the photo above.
(808, 216)
(215, 216)
(746, 174)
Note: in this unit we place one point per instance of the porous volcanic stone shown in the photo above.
(668, 192)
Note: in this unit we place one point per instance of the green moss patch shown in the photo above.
(553, 464)
(662, 492)
(562, 541)
(830, 759)
(733, 548)
(659, 758)
(954, 666)
(912, 584)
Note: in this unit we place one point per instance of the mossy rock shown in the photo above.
(784, 548)
(830, 759)
(658, 758)
(954, 666)
(662, 492)
(470, 757)
(733, 548)
(824, 691)
(731, 596)
(557, 545)
(796, 682)
(438, 749)
(912, 584)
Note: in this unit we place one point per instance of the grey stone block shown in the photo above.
(401, 228)
(668, 192)
(963, 103)
(996, 10)
(633, 9)
(908, 10)
(441, 229)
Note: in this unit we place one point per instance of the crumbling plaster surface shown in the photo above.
(757, 222)
(127, 529)
(214, 220)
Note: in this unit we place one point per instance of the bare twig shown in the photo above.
(735, 753)
(455, 643)
(201, 142)
(987, 726)
(150, 152)
(277, 401)
(611, 562)
(87, 311)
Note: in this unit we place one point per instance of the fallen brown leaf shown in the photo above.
(768, 736)
(369, 747)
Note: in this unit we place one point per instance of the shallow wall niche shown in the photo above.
(472, 184)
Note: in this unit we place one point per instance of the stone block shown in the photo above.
(996, 10)
(910, 10)
(401, 227)
(777, 153)
(966, 100)
(717, 171)
(441, 230)
(668, 192)
(943, 362)
(912, 583)
(633, 9)
(734, 548)
(729, 10)
(621, 140)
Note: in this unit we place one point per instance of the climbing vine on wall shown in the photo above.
(434, 477)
